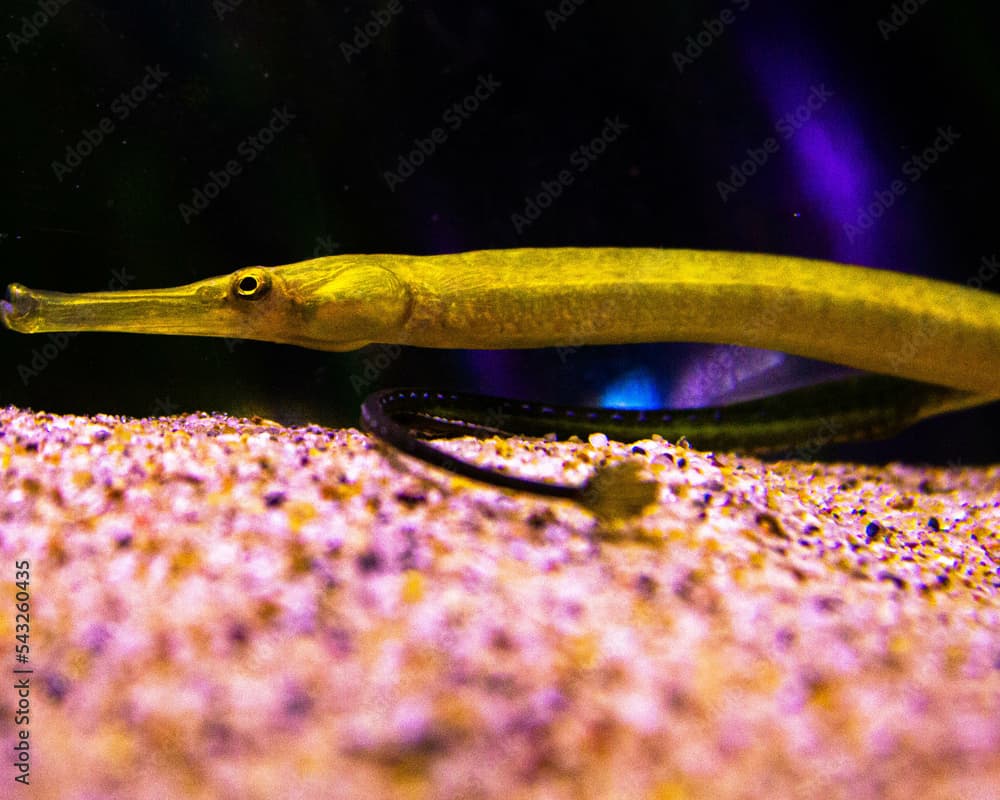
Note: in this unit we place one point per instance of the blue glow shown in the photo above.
(634, 389)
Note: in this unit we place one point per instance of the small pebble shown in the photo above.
(598, 440)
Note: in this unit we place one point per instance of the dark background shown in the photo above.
(359, 105)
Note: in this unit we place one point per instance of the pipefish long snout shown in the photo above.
(938, 343)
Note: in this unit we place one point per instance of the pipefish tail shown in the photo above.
(939, 341)
(802, 420)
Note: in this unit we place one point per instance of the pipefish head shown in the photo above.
(334, 303)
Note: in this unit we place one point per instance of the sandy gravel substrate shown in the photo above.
(230, 608)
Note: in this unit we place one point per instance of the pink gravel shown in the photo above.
(230, 608)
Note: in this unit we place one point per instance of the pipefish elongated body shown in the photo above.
(934, 345)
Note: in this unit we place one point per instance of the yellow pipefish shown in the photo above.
(909, 327)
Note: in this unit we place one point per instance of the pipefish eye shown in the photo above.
(251, 284)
